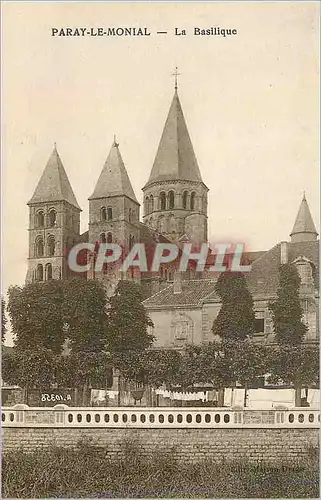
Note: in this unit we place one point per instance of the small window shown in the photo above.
(40, 219)
(259, 325)
(162, 198)
(109, 213)
(39, 272)
(151, 203)
(51, 246)
(48, 272)
(109, 238)
(192, 201)
(102, 238)
(147, 205)
(52, 218)
(185, 199)
(39, 247)
(171, 199)
(103, 214)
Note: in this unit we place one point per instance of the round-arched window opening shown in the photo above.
(226, 418)
(189, 418)
(185, 199)
(48, 272)
(51, 244)
(116, 418)
(40, 219)
(217, 418)
(103, 214)
(198, 418)
(170, 419)
(171, 199)
(143, 418)
(39, 247)
(192, 201)
(97, 418)
(79, 417)
(311, 417)
(52, 216)
(179, 418)
(39, 272)
(161, 419)
(133, 418)
(106, 417)
(152, 418)
(88, 417)
(162, 198)
(291, 418)
(301, 418)
(70, 417)
(207, 418)
(124, 418)
(109, 213)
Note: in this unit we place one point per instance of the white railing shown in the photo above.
(166, 418)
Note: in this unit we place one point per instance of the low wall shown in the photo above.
(190, 435)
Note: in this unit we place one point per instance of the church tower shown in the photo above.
(113, 209)
(304, 228)
(54, 223)
(175, 196)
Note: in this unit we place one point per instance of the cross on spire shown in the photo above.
(176, 74)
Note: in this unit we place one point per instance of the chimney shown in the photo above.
(177, 282)
(284, 252)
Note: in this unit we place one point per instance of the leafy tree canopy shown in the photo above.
(286, 310)
(236, 318)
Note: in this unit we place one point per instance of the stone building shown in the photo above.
(175, 210)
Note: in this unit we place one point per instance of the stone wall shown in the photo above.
(187, 445)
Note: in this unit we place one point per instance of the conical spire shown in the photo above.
(114, 180)
(304, 228)
(54, 184)
(175, 158)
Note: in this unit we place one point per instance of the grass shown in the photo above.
(89, 472)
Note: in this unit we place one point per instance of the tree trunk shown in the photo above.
(298, 395)
(220, 397)
(245, 396)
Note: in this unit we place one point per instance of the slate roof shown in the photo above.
(263, 279)
(175, 158)
(114, 180)
(193, 293)
(54, 184)
(304, 222)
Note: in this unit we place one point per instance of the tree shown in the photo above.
(3, 320)
(35, 312)
(32, 368)
(286, 310)
(236, 318)
(248, 360)
(127, 336)
(295, 365)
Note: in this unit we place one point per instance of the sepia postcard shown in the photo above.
(160, 249)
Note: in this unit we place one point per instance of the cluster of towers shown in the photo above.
(175, 203)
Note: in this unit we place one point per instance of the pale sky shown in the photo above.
(250, 102)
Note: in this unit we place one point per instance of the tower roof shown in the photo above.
(114, 180)
(175, 158)
(304, 222)
(54, 184)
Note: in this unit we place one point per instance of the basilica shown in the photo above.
(182, 306)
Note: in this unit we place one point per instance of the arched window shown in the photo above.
(39, 272)
(171, 226)
(52, 217)
(147, 205)
(171, 199)
(185, 199)
(40, 219)
(102, 238)
(109, 213)
(151, 203)
(109, 238)
(51, 245)
(192, 201)
(39, 247)
(131, 241)
(48, 272)
(161, 225)
(103, 213)
(162, 198)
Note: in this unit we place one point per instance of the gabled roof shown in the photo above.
(263, 279)
(114, 180)
(304, 222)
(54, 184)
(175, 158)
(193, 293)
